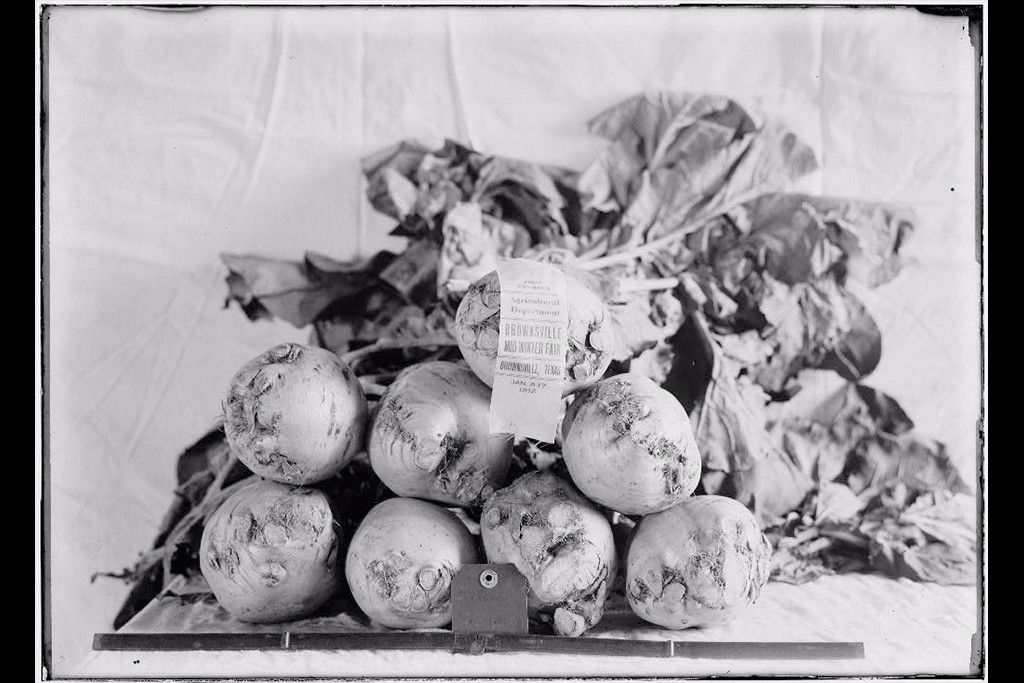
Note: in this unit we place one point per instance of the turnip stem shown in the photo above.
(214, 496)
(353, 357)
(372, 388)
(222, 475)
(636, 252)
(653, 284)
(379, 377)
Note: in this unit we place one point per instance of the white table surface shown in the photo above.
(907, 629)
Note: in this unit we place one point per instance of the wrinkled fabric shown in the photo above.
(173, 137)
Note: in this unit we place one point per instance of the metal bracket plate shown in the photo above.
(489, 599)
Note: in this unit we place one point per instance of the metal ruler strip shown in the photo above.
(478, 644)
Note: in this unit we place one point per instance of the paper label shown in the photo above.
(529, 370)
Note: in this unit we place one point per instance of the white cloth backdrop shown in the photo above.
(174, 136)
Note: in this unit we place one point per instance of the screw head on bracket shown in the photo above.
(488, 578)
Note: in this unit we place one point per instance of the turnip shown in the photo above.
(429, 436)
(629, 446)
(401, 562)
(559, 541)
(589, 333)
(270, 552)
(697, 564)
(295, 414)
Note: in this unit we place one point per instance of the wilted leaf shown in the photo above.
(836, 503)
(771, 487)
(945, 517)
(529, 195)
(383, 191)
(393, 322)
(941, 563)
(789, 568)
(473, 243)
(814, 325)
(918, 463)
(352, 319)
(294, 291)
(871, 236)
(414, 273)
(797, 238)
(931, 562)
(814, 446)
(420, 187)
(655, 362)
(727, 410)
(884, 411)
(642, 322)
(745, 349)
(678, 159)
(863, 438)
(859, 350)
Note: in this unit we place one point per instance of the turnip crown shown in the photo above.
(696, 564)
(629, 446)
(401, 562)
(429, 436)
(295, 414)
(270, 552)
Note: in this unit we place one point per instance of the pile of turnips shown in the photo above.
(297, 415)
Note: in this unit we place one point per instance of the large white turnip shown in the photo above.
(629, 446)
(295, 414)
(697, 564)
(559, 541)
(589, 335)
(401, 562)
(430, 438)
(270, 552)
